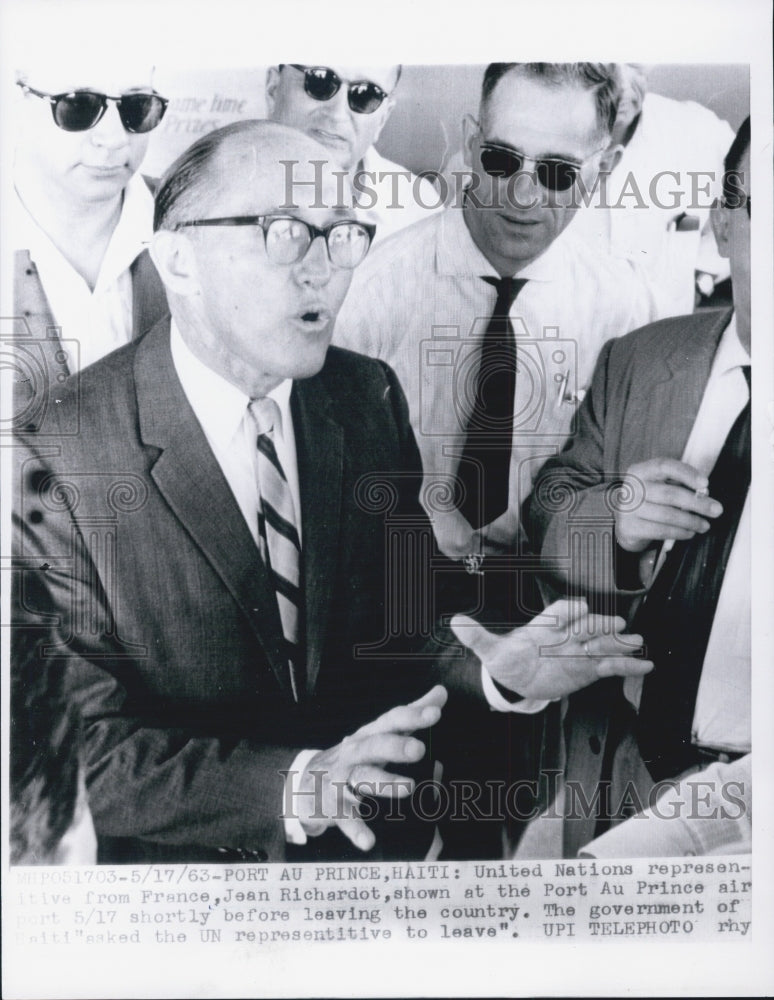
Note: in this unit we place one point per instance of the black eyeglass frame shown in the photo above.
(542, 164)
(55, 100)
(380, 93)
(263, 222)
(737, 201)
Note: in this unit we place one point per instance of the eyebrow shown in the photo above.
(542, 156)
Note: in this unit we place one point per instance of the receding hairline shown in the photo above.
(255, 145)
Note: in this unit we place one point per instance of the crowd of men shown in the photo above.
(474, 580)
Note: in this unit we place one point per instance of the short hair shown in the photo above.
(45, 753)
(187, 182)
(733, 162)
(601, 79)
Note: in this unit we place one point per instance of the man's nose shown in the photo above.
(109, 130)
(525, 190)
(315, 268)
(338, 106)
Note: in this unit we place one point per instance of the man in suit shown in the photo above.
(82, 215)
(206, 540)
(654, 518)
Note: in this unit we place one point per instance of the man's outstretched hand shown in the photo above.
(562, 650)
(326, 795)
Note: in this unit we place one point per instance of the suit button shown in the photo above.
(594, 745)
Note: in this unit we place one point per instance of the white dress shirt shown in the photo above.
(418, 302)
(722, 714)
(100, 320)
(671, 167)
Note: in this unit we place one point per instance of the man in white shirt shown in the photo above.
(423, 300)
(655, 205)
(214, 549)
(82, 216)
(663, 435)
(345, 108)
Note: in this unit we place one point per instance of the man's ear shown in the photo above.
(272, 83)
(470, 129)
(610, 158)
(385, 111)
(174, 257)
(721, 227)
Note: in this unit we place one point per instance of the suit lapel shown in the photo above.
(667, 411)
(320, 450)
(189, 478)
(30, 302)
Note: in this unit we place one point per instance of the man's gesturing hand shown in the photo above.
(674, 505)
(561, 650)
(324, 797)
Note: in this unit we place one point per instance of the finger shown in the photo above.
(659, 520)
(670, 468)
(380, 748)
(616, 644)
(560, 614)
(670, 496)
(474, 636)
(355, 830)
(598, 624)
(367, 779)
(622, 666)
(420, 714)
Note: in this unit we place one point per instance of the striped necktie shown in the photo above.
(278, 539)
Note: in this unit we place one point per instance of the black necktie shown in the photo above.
(676, 618)
(484, 467)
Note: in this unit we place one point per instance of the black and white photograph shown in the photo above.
(386, 534)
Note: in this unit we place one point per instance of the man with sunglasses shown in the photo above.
(345, 109)
(668, 417)
(211, 547)
(425, 298)
(82, 219)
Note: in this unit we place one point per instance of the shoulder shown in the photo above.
(348, 375)
(695, 333)
(687, 120)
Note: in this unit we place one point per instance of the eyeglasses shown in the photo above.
(553, 173)
(80, 110)
(737, 200)
(322, 84)
(287, 239)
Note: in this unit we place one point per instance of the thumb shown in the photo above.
(473, 635)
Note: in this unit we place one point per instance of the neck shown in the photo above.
(80, 230)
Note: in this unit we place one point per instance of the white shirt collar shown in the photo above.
(130, 237)
(220, 407)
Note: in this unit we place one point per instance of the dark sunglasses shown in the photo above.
(287, 239)
(736, 201)
(322, 84)
(505, 161)
(80, 110)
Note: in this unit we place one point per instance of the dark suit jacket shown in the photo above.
(42, 363)
(643, 400)
(138, 570)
